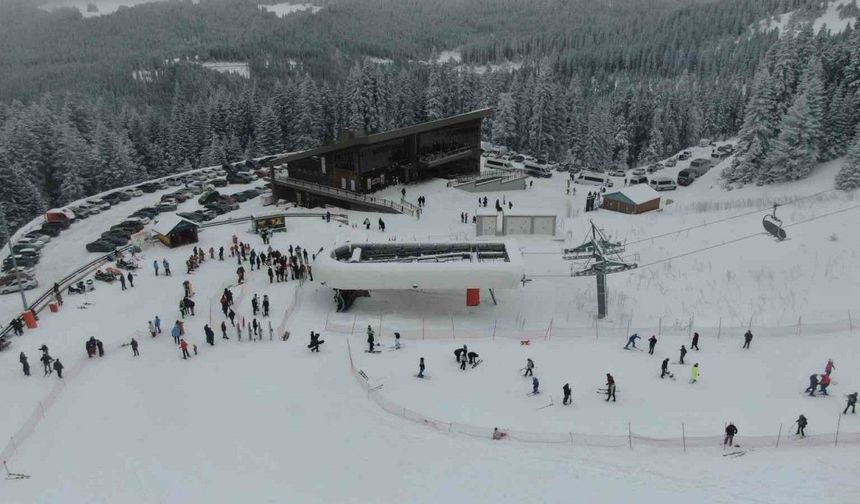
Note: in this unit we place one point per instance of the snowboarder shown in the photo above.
(58, 367)
(683, 353)
(610, 387)
(652, 342)
(26, 365)
(813, 384)
(694, 373)
(151, 329)
(829, 367)
(747, 339)
(370, 340)
(566, 390)
(823, 383)
(265, 305)
(421, 367)
(46, 362)
(183, 345)
(731, 430)
(695, 343)
(664, 368)
(134, 347)
(801, 426)
(130, 279)
(155, 266)
(530, 365)
(852, 403)
(631, 341)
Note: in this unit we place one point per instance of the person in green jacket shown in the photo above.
(694, 373)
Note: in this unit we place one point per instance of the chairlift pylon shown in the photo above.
(773, 225)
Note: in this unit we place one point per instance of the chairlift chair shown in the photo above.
(773, 225)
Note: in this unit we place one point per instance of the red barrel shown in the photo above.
(473, 297)
(29, 319)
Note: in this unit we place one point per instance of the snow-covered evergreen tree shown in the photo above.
(435, 95)
(795, 151)
(505, 121)
(20, 198)
(848, 177)
(758, 131)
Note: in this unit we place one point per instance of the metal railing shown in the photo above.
(403, 207)
(505, 175)
(339, 217)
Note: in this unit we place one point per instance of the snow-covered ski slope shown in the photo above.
(266, 421)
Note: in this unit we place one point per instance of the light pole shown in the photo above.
(4, 231)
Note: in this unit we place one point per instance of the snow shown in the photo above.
(830, 20)
(287, 8)
(452, 56)
(104, 7)
(270, 421)
(239, 68)
(638, 194)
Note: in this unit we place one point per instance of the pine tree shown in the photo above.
(435, 95)
(268, 135)
(654, 151)
(19, 197)
(795, 151)
(758, 131)
(74, 160)
(72, 188)
(308, 121)
(505, 121)
(812, 86)
(848, 177)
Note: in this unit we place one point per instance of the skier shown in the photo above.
(421, 367)
(46, 362)
(157, 325)
(24, 364)
(813, 384)
(134, 347)
(122, 281)
(90, 347)
(801, 426)
(183, 345)
(695, 341)
(829, 367)
(664, 368)
(530, 365)
(101, 347)
(473, 358)
(370, 340)
(566, 390)
(459, 353)
(631, 341)
(694, 373)
(256, 326)
(155, 266)
(210, 335)
(151, 328)
(232, 316)
(463, 363)
(747, 339)
(176, 332)
(130, 279)
(683, 353)
(255, 305)
(265, 305)
(224, 330)
(535, 385)
(852, 403)
(166, 266)
(58, 367)
(652, 342)
(221, 253)
(397, 341)
(823, 383)
(731, 430)
(610, 387)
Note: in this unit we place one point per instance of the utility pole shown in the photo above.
(603, 256)
(4, 231)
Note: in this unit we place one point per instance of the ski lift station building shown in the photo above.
(632, 200)
(489, 222)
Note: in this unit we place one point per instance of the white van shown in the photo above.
(662, 184)
(536, 169)
(592, 178)
(496, 163)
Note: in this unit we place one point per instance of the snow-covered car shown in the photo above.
(38, 235)
(167, 206)
(638, 171)
(14, 284)
(616, 172)
(662, 184)
(92, 209)
(81, 212)
(100, 245)
(654, 167)
(35, 243)
(98, 202)
(685, 155)
(134, 192)
(173, 181)
(670, 162)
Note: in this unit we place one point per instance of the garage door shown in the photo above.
(518, 225)
(544, 225)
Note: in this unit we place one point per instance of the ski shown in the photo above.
(374, 389)
(736, 453)
(476, 363)
(533, 393)
(375, 351)
(551, 403)
(425, 377)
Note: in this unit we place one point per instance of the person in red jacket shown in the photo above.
(823, 383)
(184, 346)
(829, 367)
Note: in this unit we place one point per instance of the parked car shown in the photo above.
(686, 176)
(638, 171)
(20, 270)
(593, 178)
(134, 192)
(100, 245)
(114, 198)
(38, 235)
(80, 212)
(166, 206)
(173, 181)
(134, 223)
(662, 184)
(670, 162)
(239, 178)
(638, 179)
(27, 241)
(654, 167)
(113, 237)
(617, 172)
(119, 232)
(217, 182)
(51, 229)
(26, 245)
(701, 166)
(26, 252)
(20, 261)
(92, 209)
(99, 203)
(14, 284)
(148, 187)
(143, 219)
(685, 155)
